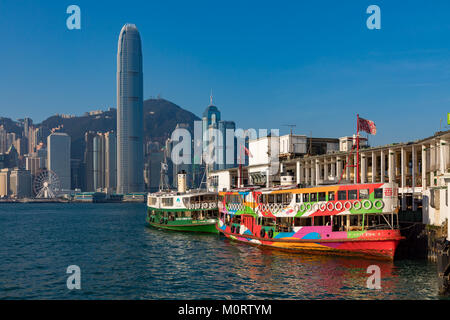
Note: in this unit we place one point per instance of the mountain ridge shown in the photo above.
(160, 119)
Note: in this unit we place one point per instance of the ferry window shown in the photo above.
(338, 223)
(306, 197)
(331, 196)
(287, 197)
(268, 222)
(326, 220)
(263, 198)
(298, 197)
(371, 221)
(235, 198)
(378, 193)
(236, 219)
(279, 198)
(271, 198)
(355, 222)
(167, 201)
(313, 196)
(363, 194)
(284, 224)
(352, 194)
(302, 222)
(322, 196)
(342, 195)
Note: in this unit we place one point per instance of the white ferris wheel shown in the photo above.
(46, 184)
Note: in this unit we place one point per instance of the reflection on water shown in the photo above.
(121, 258)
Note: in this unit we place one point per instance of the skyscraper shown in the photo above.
(229, 153)
(58, 157)
(210, 122)
(215, 129)
(89, 161)
(130, 159)
(104, 161)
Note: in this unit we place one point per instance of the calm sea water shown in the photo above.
(121, 258)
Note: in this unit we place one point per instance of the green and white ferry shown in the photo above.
(183, 210)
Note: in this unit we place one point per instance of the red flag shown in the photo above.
(248, 152)
(367, 126)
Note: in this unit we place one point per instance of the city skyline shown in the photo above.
(387, 75)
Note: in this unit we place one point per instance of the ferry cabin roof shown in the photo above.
(290, 189)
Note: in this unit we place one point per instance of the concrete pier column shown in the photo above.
(382, 166)
(333, 168)
(374, 167)
(391, 168)
(313, 173)
(363, 168)
(355, 170)
(309, 173)
(306, 174)
(325, 170)
(424, 167)
(414, 172)
(302, 172)
(443, 148)
(339, 167)
(309, 170)
(403, 175)
(317, 172)
(437, 157)
(297, 171)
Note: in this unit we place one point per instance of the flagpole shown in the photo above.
(357, 149)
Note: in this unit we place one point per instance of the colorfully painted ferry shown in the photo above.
(356, 219)
(191, 211)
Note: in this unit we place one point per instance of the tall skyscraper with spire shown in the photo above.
(130, 158)
(210, 122)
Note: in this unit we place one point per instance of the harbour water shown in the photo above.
(121, 258)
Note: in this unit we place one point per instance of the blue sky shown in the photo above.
(269, 63)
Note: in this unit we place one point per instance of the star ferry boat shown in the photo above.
(183, 210)
(355, 219)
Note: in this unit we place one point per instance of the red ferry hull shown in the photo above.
(375, 247)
